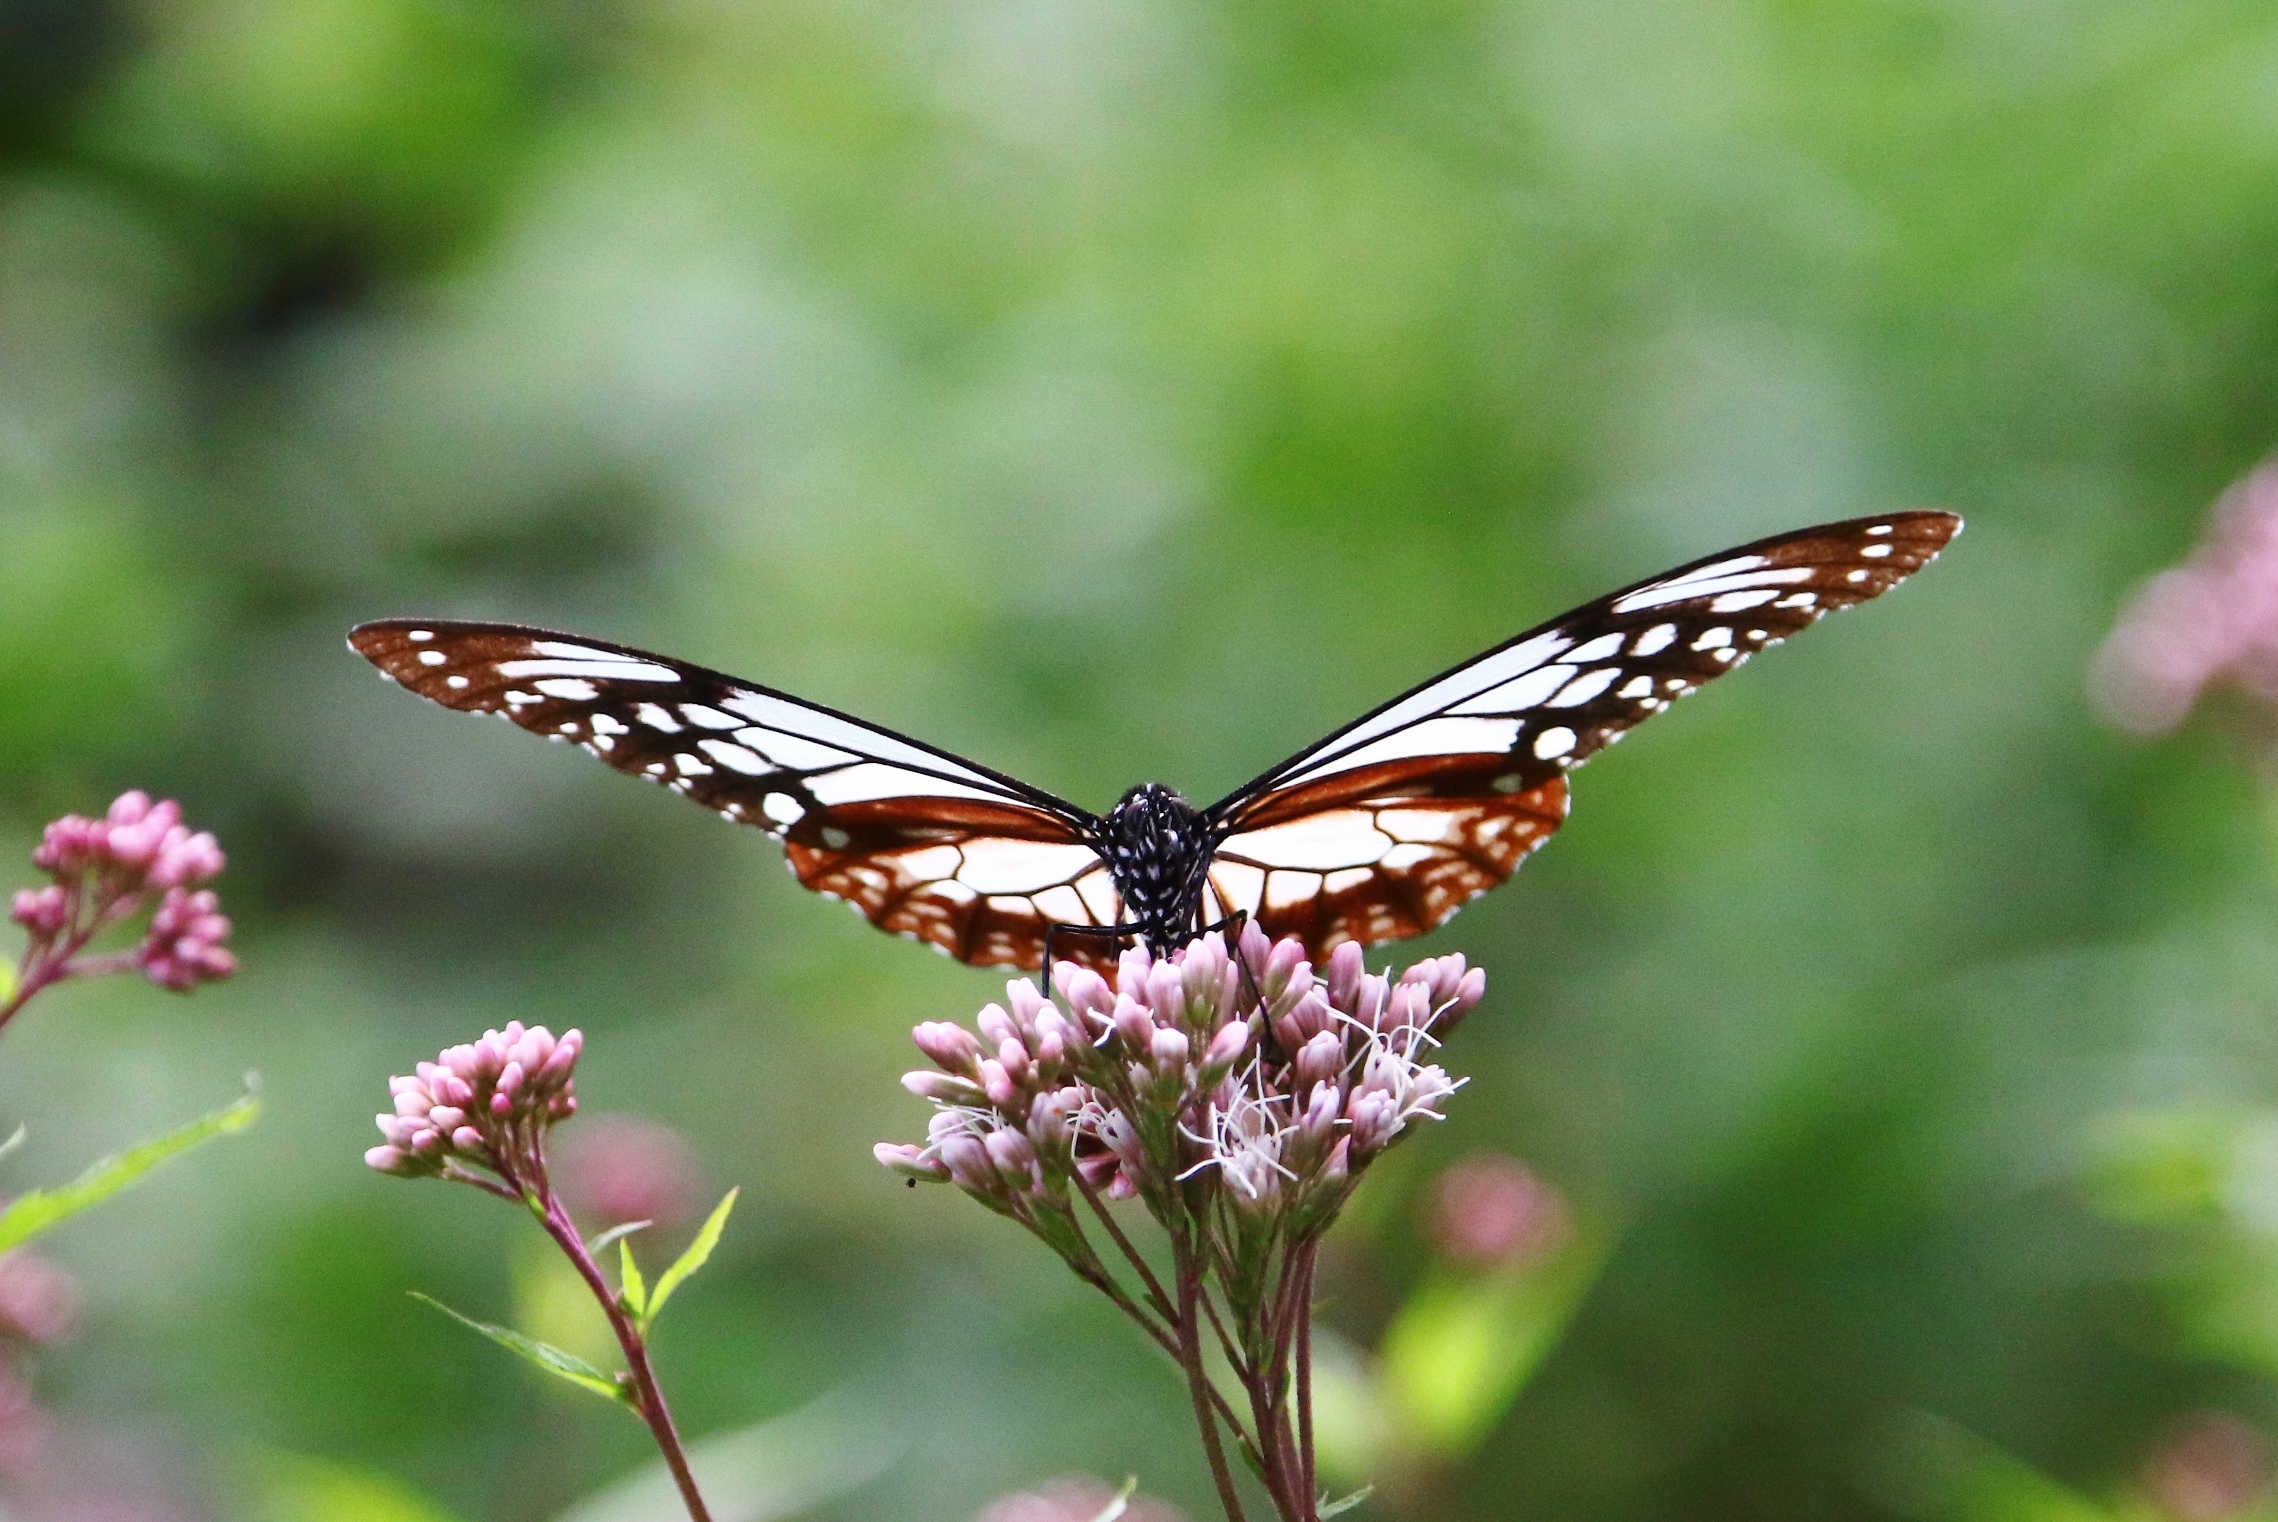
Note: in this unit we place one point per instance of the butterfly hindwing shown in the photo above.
(1385, 828)
(921, 842)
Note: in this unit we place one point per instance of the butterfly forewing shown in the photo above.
(1388, 826)
(919, 841)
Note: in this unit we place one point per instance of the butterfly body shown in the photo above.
(1380, 830)
(1157, 847)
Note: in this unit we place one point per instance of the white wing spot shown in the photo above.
(1637, 687)
(609, 668)
(454, 681)
(609, 724)
(1875, 552)
(433, 658)
(1604, 647)
(657, 719)
(1726, 654)
(1758, 636)
(1510, 782)
(690, 766)
(782, 808)
(1741, 602)
(792, 752)
(1678, 685)
(1879, 530)
(709, 718)
(836, 838)
(734, 756)
(420, 636)
(569, 726)
(1519, 692)
(1798, 600)
(1713, 639)
(654, 769)
(575, 688)
(1554, 742)
(1586, 686)
(603, 744)
(1859, 575)
(521, 699)
(1655, 640)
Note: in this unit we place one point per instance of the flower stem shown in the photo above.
(1198, 1378)
(649, 1397)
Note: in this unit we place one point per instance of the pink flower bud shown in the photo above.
(1166, 993)
(1375, 1118)
(1026, 1004)
(1089, 998)
(1224, 1050)
(944, 1088)
(996, 1026)
(951, 1047)
(1132, 1027)
(1169, 1052)
(128, 808)
(43, 912)
(968, 1163)
(1048, 1128)
(1408, 1005)
(1309, 1018)
(1346, 964)
(910, 1162)
(1013, 1057)
(1319, 1061)
(1014, 1158)
(998, 1085)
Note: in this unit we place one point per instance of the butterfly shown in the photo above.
(1381, 830)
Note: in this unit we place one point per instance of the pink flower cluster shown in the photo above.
(105, 871)
(488, 1103)
(2212, 618)
(1280, 1084)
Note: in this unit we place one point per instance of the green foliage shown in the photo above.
(293, 1487)
(38, 1210)
(544, 1355)
(697, 1254)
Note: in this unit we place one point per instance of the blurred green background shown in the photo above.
(1135, 389)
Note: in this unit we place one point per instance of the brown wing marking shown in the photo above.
(978, 881)
(1384, 852)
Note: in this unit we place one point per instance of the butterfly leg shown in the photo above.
(1044, 973)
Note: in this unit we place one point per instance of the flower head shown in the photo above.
(487, 1103)
(1232, 1062)
(105, 871)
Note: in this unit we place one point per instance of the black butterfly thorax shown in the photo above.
(1157, 846)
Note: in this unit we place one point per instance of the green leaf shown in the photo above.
(544, 1354)
(600, 1244)
(1462, 1346)
(7, 983)
(1345, 1503)
(631, 1293)
(1120, 1504)
(693, 1259)
(33, 1213)
(294, 1487)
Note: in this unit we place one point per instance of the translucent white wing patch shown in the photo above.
(920, 842)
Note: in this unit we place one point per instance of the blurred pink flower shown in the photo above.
(2212, 618)
(1073, 1498)
(2211, 1467)
(39, 1298)
(1493, 1211)
(621, 1168)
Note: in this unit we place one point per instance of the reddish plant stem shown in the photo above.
(1189, 1277)
(648, 1395)
(1305, 1379)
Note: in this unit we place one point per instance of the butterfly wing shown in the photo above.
(1390, 825)
(920, 842)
